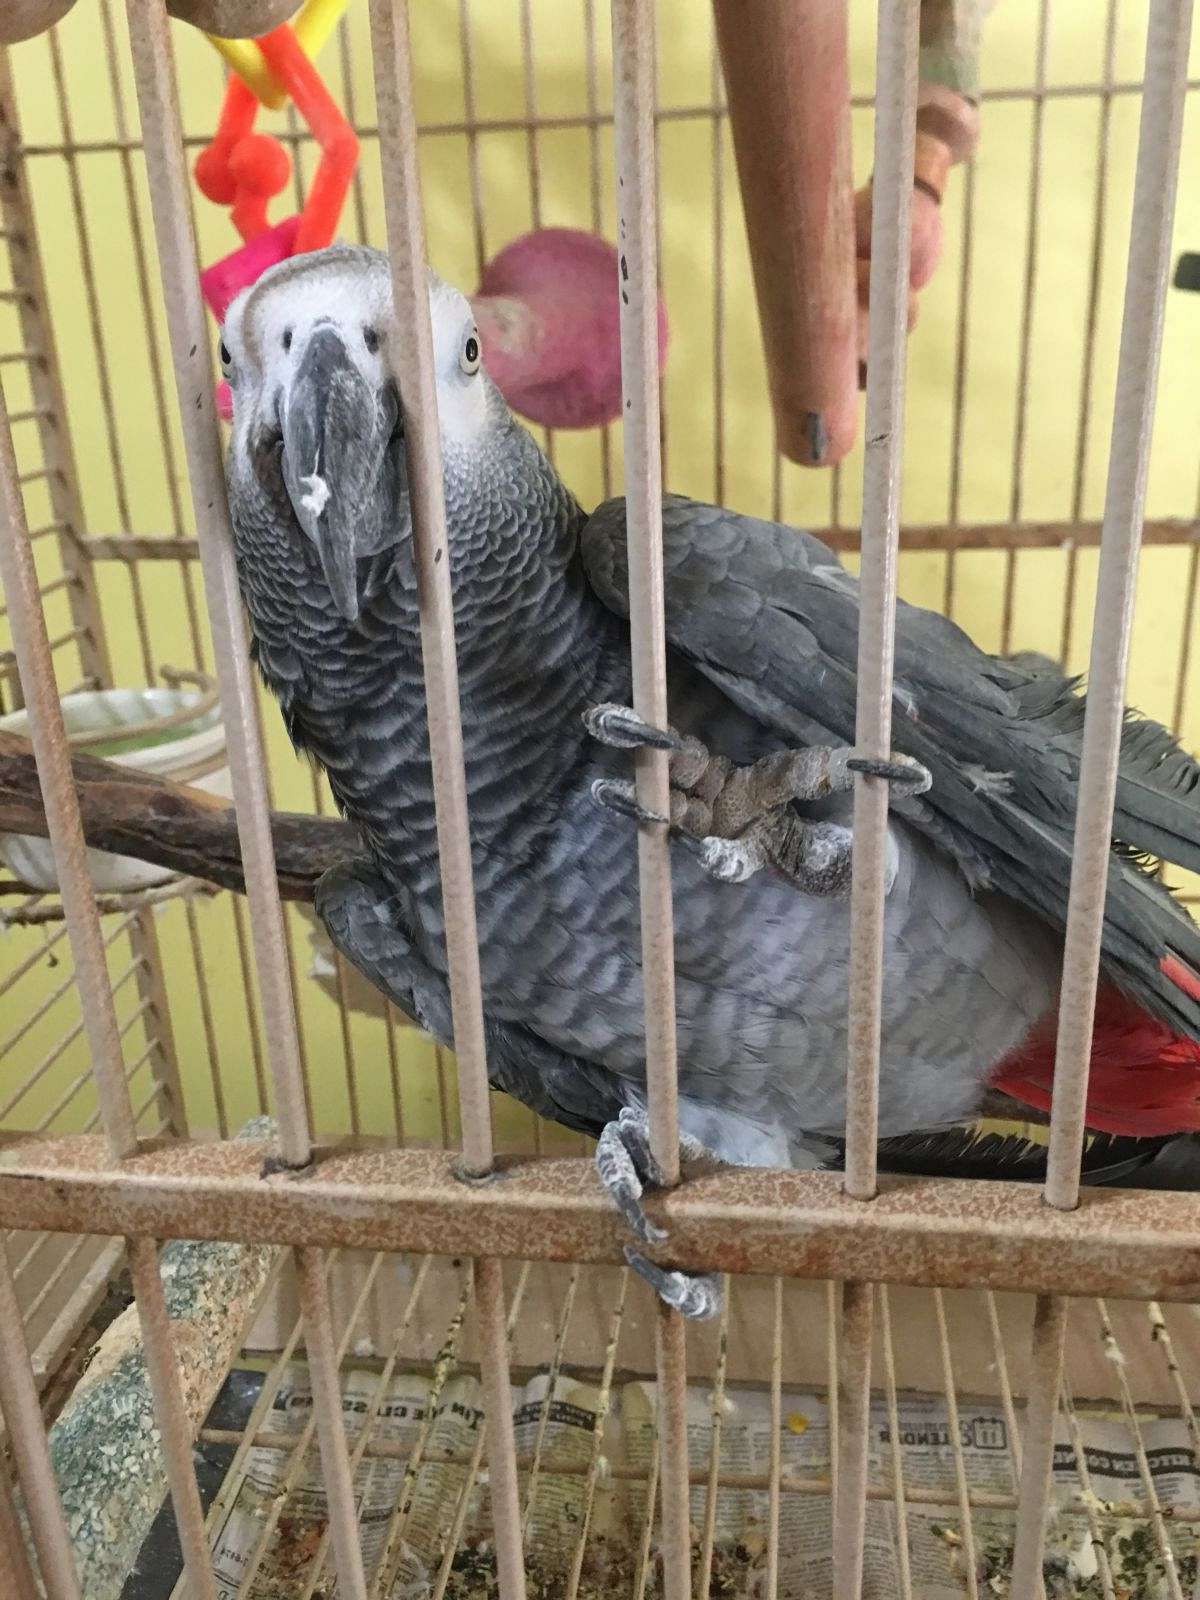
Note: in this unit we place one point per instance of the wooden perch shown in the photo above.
(787, 81)
(172, 825)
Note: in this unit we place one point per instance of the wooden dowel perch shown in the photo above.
(169, 824)
(787, 82)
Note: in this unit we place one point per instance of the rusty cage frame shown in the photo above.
(855, 1230)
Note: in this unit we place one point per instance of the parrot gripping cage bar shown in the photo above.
(788, 1224)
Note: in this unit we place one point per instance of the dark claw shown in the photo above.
(912, 775)
(694, 1295)
(615, 795)
(623, 1161)
(622, 728)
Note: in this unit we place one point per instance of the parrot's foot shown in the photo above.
(737, 820)
(627, 1167)
(693, 1294)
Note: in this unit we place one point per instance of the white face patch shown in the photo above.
(269, 325)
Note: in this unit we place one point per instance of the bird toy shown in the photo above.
(547, 307)
(245, 170)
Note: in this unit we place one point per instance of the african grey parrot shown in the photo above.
(762, 627)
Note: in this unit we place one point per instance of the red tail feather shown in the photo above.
(1145, 1080)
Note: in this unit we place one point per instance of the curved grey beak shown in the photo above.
(336, 430)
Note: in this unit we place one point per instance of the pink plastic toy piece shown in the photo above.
(548, 312)
(225, 280)
(224, 401)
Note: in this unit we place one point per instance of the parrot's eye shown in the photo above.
(469, 360)
(226, 358)
(287, 339)
(371, 339)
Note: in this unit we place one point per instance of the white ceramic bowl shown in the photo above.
(124, 711)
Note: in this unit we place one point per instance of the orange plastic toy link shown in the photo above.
(338, 141)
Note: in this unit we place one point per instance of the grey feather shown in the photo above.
(763, 631)
(974, 713)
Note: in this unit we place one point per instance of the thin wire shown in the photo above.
(775, 1468)
(896, 1453)
(157, 374)
(378, 1396)
(484, 1435)
(104, 366)
(1026, 334)
(603, 1403)
(717, 1423)
(1133, 413)
(1095, 1532)
(970, 1568)
(27, 1440)
(1154, 1505)
(961, 344)
(560, 1339)
(1095, 269)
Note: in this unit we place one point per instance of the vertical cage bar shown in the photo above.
(895, 122)
(96, 996)
(27, 1437)
(190, 349)
(1087, 373)
(961, 1485)
(169, 194)
(1033, 1493)
(171, 1415)
(896, 1453)
(671, 1361)
(717, 1415)
(414, 360)
(1090, 1499)
(414, 357)
(32, 648)
(853, 1454)
(633, 109)
(1159, 138)
(331, 1435)
(502, 1449)
(895, 130)
(634, 92)
(45, 385)
(1025, 337)
(776, 1452)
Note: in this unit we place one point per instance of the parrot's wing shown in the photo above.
(362, 914)
(771, 616)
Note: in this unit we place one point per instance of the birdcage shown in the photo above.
(403, 1353)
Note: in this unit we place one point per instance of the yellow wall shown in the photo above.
(139, 496)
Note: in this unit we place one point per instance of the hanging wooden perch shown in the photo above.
(169, 824)
(787, 82)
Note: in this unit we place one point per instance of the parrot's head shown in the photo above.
(310, 354)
